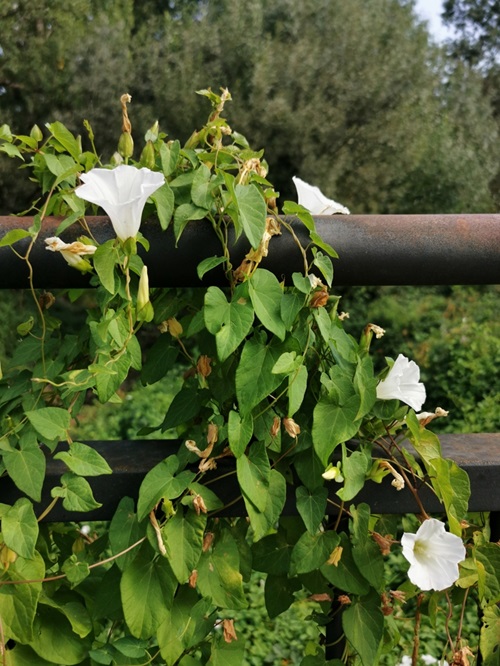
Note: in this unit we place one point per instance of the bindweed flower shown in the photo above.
(122, 193)
(312, 198)
(433, 555)
(73, 253)
(402, 383)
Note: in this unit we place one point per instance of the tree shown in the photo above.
(477, 23)
(350, 96)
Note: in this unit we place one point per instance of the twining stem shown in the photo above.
(48, 509)
(403, 473)
(416, 631)
(49, 579)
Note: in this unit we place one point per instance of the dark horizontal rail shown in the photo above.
(373, 250)
(477, 454)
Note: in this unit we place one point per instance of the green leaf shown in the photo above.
(13, 236)
(311, 506)
(183, 539)
(324, 264)
(201, 188)
(51, 423)
(185, 406)
(219, 574)
(169, 155)
(76, 570)
(159, 360)
(487, 557)
(184, 214)
(354, 470)
(84, 460)
(66, 139)
(279, 594)
(452, 485)
(54, 640)
(272, 554)
(490, 631)
(363, 624)
(297, 386)
(105, 259)
(147, 589)
(164, 201)
(254, 376)
(266, 293)
(227, 654)
(293, 208)
(109, 377)
(76, 493)
(365, 551)
(20, 528)
(161, 482)
(312, 551)
(208, 264)
(23, 655)
(253, 473)
(124, 531)
(345, 575)
(18, 603)
(26, 467)
(333, 424)
(229, 322)
(185, 625)
(263, 521)
(74, 611)
(291, 304)
(252, 212)
(239, 432)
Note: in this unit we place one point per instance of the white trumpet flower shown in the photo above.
(433, 554)
(122, 193)
(402, 383)
(312, 198)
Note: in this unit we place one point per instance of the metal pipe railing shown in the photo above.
(373, 250)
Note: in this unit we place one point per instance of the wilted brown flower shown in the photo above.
(212, 434)
(199, 505)
(208, 538)
(344, 600)
(292, 428)
(319, 299)
(193, 578)
(335, 556)
(229, 631)
(383, 542)
(203, 366)
(275, 428)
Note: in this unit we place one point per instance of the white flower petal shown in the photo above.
(402, 383)
(433, 554)
(315, 201)
(122, 193)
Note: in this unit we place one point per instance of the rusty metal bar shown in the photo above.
(478, 454)
(373, 250)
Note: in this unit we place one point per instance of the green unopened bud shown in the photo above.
(148, 155)
(126, 145)
(145, 310)
(152, 133)
(36, 133)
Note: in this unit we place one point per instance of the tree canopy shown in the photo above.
(353, 96)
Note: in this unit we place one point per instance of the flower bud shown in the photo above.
(173, 327)
(126, 145)
(144, 308)
(148, 156)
